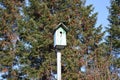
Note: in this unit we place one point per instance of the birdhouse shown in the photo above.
(60, 36)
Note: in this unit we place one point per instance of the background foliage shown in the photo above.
(26, 40)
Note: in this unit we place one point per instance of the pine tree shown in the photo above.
(114, 20)
(82, 58)
(9, 14)
(114, 32)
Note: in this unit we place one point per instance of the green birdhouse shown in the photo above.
(60, 36)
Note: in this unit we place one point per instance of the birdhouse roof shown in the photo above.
(61, 25)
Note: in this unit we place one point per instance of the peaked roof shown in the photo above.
(61, 25)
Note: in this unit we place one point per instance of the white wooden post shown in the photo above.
(58, 65)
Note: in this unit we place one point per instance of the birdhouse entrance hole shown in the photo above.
(60, 32)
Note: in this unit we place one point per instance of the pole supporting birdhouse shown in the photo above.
(58, 65)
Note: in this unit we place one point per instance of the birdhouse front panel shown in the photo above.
(60, 37)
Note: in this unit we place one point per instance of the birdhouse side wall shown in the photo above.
(55, 39)
(64, 40)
